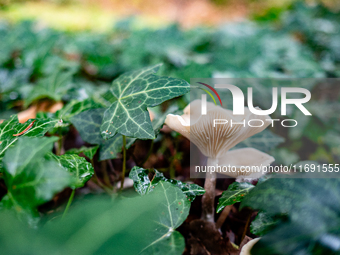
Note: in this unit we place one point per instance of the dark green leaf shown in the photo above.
(131, 94)
(234, 194)
(311, 206)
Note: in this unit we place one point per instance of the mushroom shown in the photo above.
(214, 142)
(245, 163)
(248, 246)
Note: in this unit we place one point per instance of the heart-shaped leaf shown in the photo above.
(30, 178)
(131, 94)
(80, 169)
(143, 185)
(234, 194)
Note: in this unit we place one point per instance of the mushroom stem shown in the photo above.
(208, 199)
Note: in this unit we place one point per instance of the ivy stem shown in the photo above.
(124, 163)
(69, 203)
(208, 199)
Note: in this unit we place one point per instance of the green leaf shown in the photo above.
(311, 206)
(80, 169)
(131, 94)
(143, 224)
(88, 151)
(143, 185)
(54, 86)
(234, 194)
(12, 126)
(263, 141)
(30, 178)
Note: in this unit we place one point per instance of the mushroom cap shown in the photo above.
(245, 159)
(248, 246)
(212, 141)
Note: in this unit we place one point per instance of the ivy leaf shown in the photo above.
(234, 194)
(30, 178)
(80, 169)
(311, 206)
(131, 94)
(143, 185)
(88, 151)
(263, 141)
(53, 86)
(12, 126)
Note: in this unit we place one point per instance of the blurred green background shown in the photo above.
(99, 15)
